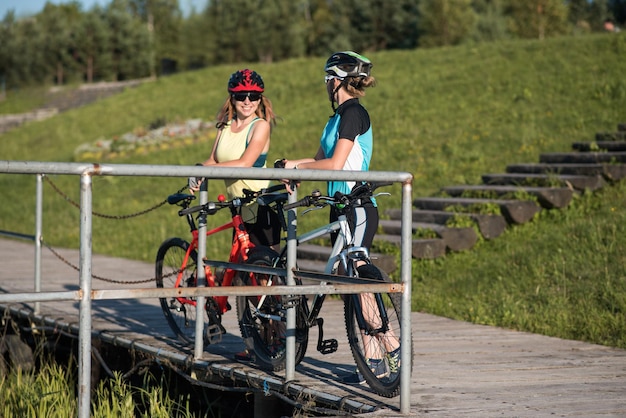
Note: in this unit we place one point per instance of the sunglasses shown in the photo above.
(241, 97)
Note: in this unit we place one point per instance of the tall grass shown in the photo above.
(51, 392)
(446, 115)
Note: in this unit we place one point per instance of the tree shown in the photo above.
(164, 22)
(129, 46)
(381, 24)
(445, 22)
(92, 45)
(58, 22)
(537, 18)
(491, 23)
(618, 9)
(196, 42)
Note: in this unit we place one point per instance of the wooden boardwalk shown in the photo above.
(460, 369)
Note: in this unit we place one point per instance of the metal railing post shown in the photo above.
(201, 273)
(406, 266)
(38, 237)
(84, 336)
(292, 252)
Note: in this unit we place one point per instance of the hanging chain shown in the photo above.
(101, 215)
(104, 279)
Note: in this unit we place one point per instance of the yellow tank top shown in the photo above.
(231, 146)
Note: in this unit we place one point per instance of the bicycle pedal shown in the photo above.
(291, 301)
(214, 333)
(328, 346)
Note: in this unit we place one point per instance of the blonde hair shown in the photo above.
(356, 85)
(228, 112)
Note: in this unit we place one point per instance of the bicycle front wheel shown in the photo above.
(374, 334)
(172, 271)
(262, 319)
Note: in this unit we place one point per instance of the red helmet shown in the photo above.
(245, 80)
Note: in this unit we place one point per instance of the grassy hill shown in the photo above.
(446, 115)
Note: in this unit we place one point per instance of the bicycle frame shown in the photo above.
(238, 253)
(340, 254)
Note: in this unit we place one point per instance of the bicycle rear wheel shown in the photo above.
(180, 312)
(262, 320)
(374, 334)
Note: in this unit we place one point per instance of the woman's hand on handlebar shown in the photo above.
(290, 184)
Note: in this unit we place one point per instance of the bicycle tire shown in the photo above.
(263, 336)
(180, 313)
(382, 381)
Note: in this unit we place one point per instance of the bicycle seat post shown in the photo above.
(201, 275)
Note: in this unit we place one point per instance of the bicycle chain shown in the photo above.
(64, 260)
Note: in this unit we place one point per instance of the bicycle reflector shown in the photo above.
(221, 198)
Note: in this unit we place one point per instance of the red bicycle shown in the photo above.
(176, 266)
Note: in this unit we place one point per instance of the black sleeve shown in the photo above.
(354, 121)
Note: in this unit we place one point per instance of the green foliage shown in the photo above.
(447, 115)
(445, 22)
(50, 392)
(561, 275)
(125, 39)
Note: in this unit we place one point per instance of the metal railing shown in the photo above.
(86, 294)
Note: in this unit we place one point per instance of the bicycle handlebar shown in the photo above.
(211, 208)
(317, 199)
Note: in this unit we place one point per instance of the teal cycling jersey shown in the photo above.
(350, 121)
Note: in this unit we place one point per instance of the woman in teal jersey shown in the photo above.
(347, 144)
(347, 141)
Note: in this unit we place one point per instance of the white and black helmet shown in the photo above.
(348, 64)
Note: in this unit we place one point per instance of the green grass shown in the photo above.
(446, 115)
(51, 392)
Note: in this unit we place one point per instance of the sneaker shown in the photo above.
(355, 378)
(377, 366)
(393, 360)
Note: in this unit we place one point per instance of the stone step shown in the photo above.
(582, 157)
(514, 211)
(425, 248)
(581, 183)
(489, 226)
(548, 197)
(620, 135)
(455, 239)
(611, 172)
(610, 146)
(320, 253)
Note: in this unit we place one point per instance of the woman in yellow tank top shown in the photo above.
(243, 139)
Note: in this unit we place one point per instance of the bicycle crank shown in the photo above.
(325, 346)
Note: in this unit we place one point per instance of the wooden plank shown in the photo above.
(490, 226)
(548, 197)
(581, 183)
(610, 146)
(459, 369)
(583, 157)
(611, 172)
(514, 211)
(456, 239)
